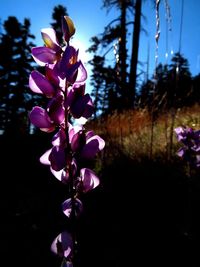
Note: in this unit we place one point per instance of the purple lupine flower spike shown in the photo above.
(64, 85)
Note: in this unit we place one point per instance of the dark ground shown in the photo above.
(142, 214)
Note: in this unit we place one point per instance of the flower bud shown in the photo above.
(68, 28)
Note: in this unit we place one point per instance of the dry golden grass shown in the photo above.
(137, 135)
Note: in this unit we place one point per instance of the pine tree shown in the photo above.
(15, 66)
(179, 77)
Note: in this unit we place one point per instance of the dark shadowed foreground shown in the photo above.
(142, 214)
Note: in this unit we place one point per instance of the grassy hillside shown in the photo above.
(139, 135)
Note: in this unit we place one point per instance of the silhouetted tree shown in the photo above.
(59, 11)
(144, 97)
(15, 67)
(179, 77)
(134, 53)
(196, 89)
(98, 92)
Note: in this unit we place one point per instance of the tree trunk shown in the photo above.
(123, 52)
(134, 55)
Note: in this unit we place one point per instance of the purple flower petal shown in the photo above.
(38, 83)
(179, 130)
(78, 141)
(68, 28)
(73, 130)
(44, 55)
(99, 139)
(92, 147)
(44, 159)
(89, 134)
(197, 161)
(69, 58)
(49, 37)
(70, 97)
(78, 108)
(59, 138)
(66, 263)
(68, 65)
(56, 110)
(74, 93)
(40, 118)
(72, 72)
(57, 158)
(67, 207)
(52, 75)
(90, 150)
(62, 245)
(89, 180)
(82, 74)
(181, 152)
(61, 175)
(89, 110)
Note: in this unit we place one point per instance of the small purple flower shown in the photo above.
(56, 109)
(80, 104)
(88, 180)
(70, 68)
(67, 207)
(48, 119)
(86, 145)
(62, 245)
(68, 28)
(191, 144)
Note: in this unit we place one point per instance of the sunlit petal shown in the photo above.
(38, 83)
(40, 118)
(68, 28)
(44, 55)
(82, 74)
(61, 175)
(99, 139)
(44, 159)
(92, 147)
(57, 158)
(50, 40)
(73, 130)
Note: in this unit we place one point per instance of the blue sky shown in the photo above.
(90, 19)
